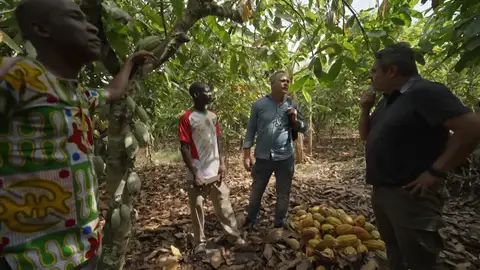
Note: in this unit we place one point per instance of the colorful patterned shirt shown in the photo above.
(48, 188)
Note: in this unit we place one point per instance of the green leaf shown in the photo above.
(316, 64)
(398, 21)
(9, 41)
(466, 59)
(350, 63)
(426, 46)
(375, 42)
(376, 33)
(473, 28)
(335, 69)
(297, 84)
(307, 96)
(473, 44)
(178, 7)
(284, 16)
(331, 48)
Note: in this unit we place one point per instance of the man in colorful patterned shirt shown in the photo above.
(48, 207)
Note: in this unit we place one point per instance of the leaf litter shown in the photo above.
(162, 236)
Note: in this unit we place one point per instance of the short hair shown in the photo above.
(196, 87)
(276, 74)
(30, 10)
(400, 55)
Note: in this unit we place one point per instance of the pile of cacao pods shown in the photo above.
(326, 235)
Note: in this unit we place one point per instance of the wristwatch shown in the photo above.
(436, 173)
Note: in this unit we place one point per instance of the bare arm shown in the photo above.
(465, 138)
(187, 157)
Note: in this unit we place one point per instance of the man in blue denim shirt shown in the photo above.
(273, 119)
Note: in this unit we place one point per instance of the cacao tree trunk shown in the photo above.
(122, 182)
(310, 135)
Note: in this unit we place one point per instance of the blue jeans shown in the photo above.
(261, 172)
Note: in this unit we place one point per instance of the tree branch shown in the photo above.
(196, 9)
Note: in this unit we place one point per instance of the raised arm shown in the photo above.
(366, 103)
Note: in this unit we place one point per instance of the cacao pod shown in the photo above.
(369, 227)
(98, 165)
(317, 224)
(307, 235)
(328, 237)
(142, 114)
(308, 221)
(315, 209)
(382, 255)
(125, 213)
(361, 233)
(328, 229)
(330, 253)
(359, 221)
(320, 267)
(350, 251)
(309, 251)
(301, 212)
(325, 244)
(333, 221)
(293, 243)
(347, 240)
(149, 43)
(346, 219)
(313, 243)
(141, 134)
(133, 183)
(374, 244)
(344, 229)
(362, 248)
(130, 103)
(318, 217)
(115, 219)
(131, 145)
(375, 234)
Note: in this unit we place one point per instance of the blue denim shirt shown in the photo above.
(270, 123)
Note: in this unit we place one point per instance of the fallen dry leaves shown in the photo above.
(162, 238)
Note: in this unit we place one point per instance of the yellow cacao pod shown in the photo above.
(369, 227)
(315, 209)
(333, 221)
(359, 221)
(361, 233)
(307, 221)
(381, 254)
(313, 243)
(320, 267)
(318, 217)
(301, 212)
(326, 244)
(374, 244)
(330, 253)
(344, 229)
(328, 229)
(350, 251)
(293, 243)
(327, 211)
(375, 235)
(347, 240)
(317, 224)
(328, 237)
(345, 219)
(362, 248)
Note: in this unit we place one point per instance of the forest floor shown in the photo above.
(333, 176)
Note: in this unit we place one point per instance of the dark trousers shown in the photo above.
(409, 226)
(261, 173)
